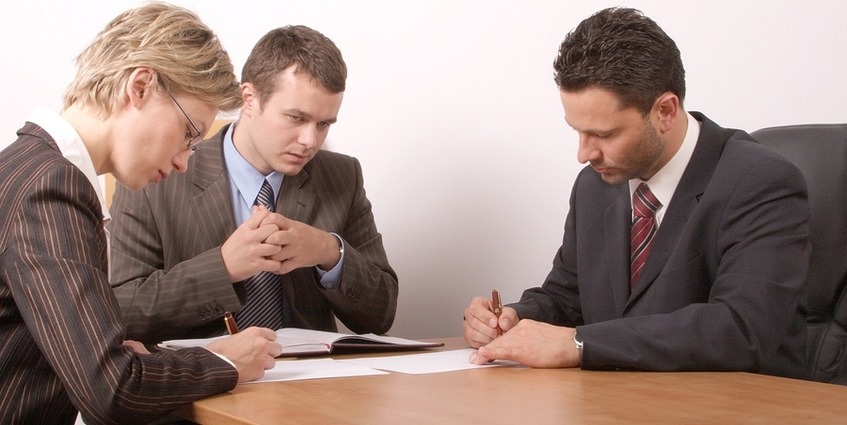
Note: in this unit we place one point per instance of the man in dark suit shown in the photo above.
(685, 245)
(188, 250)
(63, 346)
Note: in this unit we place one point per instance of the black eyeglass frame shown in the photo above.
(195, 139)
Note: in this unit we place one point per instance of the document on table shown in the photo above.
(416, 364)
(300, 342)
(295, 370)
(439, 361)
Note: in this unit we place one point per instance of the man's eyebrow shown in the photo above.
(304, 114)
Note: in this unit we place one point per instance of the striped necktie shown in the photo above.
(644, 206)
(264, 291)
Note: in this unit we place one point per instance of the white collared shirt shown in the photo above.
(663, 184)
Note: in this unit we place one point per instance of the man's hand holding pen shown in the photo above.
(482, 322)
(497, 307)
(506, 337)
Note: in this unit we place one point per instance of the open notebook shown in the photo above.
(304, 342)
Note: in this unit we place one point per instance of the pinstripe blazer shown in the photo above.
(60, 325)
(169, 275)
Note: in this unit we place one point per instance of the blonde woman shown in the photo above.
(147, 88)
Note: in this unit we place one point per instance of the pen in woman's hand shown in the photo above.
(229, 321)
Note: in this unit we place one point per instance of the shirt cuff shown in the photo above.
(332, 278)
(223, 358)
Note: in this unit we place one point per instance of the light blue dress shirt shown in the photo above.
(244, 184)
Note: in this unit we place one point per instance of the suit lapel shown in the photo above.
(210, 200)
(616, 220)
(296, 201)
(691, 186)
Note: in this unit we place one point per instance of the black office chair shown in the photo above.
(820, 151)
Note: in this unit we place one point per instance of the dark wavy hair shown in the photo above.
(621, 50)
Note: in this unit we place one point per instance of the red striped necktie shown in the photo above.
(644, 206)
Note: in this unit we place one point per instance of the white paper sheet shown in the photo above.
(294, 370)
(439, 361)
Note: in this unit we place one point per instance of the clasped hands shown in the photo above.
(532, 343)
(271, 242)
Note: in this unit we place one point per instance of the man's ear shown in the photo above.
(140, 85)
(250, 99)
(667, 110)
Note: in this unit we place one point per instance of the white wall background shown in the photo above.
(451, 109)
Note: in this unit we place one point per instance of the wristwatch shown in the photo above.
(578, 343)
(340, 243)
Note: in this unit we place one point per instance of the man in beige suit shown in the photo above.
(188, 250)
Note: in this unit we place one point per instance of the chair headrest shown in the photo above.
(820, 152)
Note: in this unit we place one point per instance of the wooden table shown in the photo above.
(507, 395)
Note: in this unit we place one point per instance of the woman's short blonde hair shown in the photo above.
(185, 53)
